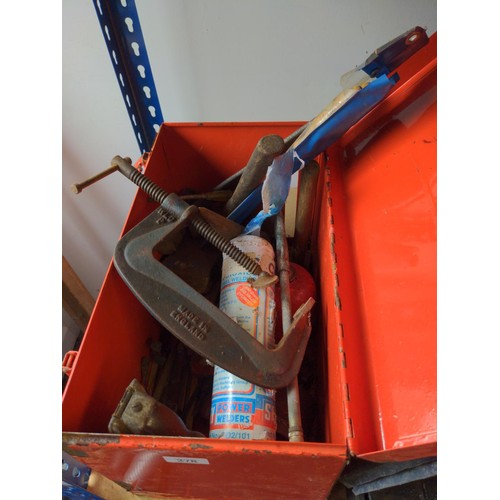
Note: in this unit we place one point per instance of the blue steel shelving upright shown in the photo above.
(122, 33)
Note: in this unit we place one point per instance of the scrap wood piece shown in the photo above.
(77, 300)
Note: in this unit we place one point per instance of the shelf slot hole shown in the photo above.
(135, 48)
(130, 24)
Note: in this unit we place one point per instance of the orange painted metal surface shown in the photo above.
(389, 183)
(375, 319)
(212, 468)
(377, 249)
(391, 202)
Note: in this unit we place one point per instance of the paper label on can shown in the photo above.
(227, 383)
(247, 295)
(239, 417)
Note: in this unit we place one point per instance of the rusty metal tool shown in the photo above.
(193, 319)
(220, 195)
(139, 413)
(252, 174)
(80, 186)
(295, 432)
(260, 153)
(300, 249)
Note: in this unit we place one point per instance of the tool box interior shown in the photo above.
(368, 379)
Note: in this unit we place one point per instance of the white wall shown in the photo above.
(212, 60)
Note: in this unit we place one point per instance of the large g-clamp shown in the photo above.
(193, 319)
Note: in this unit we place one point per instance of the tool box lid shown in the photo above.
(384, 240)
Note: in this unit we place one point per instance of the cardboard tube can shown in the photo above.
(241, 410)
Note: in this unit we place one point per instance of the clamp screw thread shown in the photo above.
(218, 241)
(148, 186)
(200, 225)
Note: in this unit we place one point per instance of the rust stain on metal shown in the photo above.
(258, 452)
(338, 303)
(196, 446)
(74, 453)
(350, 431)
(89, 439)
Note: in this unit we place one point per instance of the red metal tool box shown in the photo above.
(374, 325)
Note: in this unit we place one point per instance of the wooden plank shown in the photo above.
(76, 299)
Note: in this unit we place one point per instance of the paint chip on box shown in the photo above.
(186, 460)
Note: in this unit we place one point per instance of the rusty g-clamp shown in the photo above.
(192, 318)
(185, 312)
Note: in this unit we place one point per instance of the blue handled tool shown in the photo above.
(364, 87)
